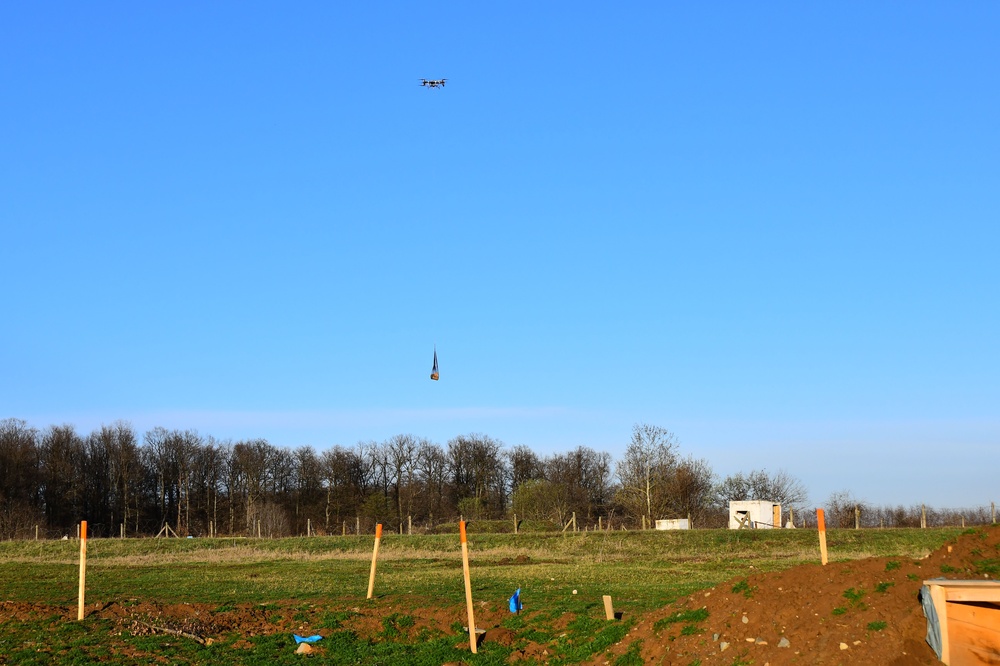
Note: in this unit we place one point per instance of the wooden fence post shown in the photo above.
(371, 576)
(473, 635)
(609, 608)
(821, 522)
(83, 568)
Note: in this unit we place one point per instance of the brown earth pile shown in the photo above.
(858, 612)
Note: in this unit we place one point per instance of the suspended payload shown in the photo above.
(434, 370)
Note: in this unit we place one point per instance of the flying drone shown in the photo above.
(433, 83)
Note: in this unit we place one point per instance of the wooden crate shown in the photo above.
(969, 614)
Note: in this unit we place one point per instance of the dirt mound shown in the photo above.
(858, 612)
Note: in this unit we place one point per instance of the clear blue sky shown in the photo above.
(770, 229)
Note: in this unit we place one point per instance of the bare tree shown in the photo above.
(691, 489)
(308, 486)
(19, 478)
(401, 456)
(208, 480)
(646, 470)
(347, 479)
(541, 499)
(780, 487)
(479, 474)
(432, 472)
(842, 508)
(63, 456)
(525, 465)
(251, 460)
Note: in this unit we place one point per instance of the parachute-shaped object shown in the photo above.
(434, 370)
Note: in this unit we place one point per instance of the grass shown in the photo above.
(743, 587)
(324, 579)
(690, 617)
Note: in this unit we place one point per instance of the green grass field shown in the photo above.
(321, 582)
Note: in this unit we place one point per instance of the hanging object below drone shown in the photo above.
(434, 370)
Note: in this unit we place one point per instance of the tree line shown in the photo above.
(120, 482)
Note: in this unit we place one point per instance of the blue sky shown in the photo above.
(771, 230)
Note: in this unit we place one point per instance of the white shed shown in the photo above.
(754, 514)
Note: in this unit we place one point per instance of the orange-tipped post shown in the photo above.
(473, 636)
(821, 522)
(83, 568)
(371, 576)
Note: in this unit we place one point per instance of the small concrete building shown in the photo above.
(673, 524)
(754, 514)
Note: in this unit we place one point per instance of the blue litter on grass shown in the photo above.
(303, 639)
(515, 602)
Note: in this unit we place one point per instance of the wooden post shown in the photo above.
(609, 608)
(923, 516)
(821, 522)
(993, 513)
(473, 636)
(357, 524)
(857, 517)
(643, 521)
(371, 576)
(515, 523)
(574, 521)
(409, 524)
(791, 517)
(344, 529)
(36, 532)
(83, 568)
(599, 526)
